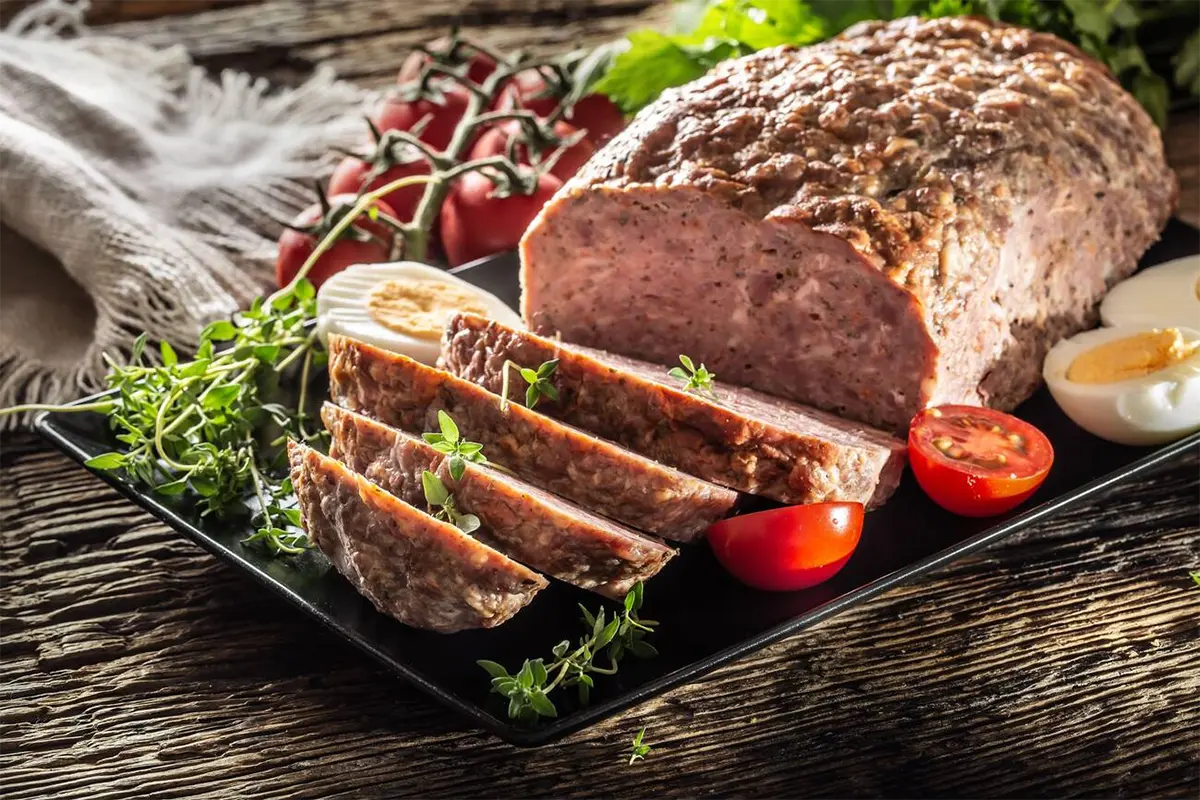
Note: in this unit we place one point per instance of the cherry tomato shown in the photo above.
(977, 462)
(790, 548)
(364, 242)
(480, 64)
(494, 142)
(353, 176)
(594, 113)
(402, 115)
(476, 223)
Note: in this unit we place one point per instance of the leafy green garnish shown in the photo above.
(697, 380)
(441, 504)
(528, 691)
(537, 380)
(1107, 29)
(449, 442)
(639, 749)
(208, 425)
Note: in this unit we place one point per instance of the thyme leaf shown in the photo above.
(448, 440)
(528, 691)
(697, 380)
(441, 504)
(639, 749)
(537, 380)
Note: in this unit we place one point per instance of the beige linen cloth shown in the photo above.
(138, 194)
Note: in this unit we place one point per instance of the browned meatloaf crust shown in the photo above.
(525, 523)
(911, 213)
(424, 572)
(747, 440)
(592, 472)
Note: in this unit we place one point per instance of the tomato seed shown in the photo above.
(1015, 439)
(942, 443)
(933, 412)
(956, 452)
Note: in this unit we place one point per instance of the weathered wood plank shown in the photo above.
(135, 665)
(1060, 662)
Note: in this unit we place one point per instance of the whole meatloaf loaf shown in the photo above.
(422, 571)
(523, 522)
(592, 472)
(911, 213)
(739, 438)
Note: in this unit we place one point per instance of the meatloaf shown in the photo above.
(911, 213)
(523, 522)
(739, 438)
(592, 472)
(424, 572)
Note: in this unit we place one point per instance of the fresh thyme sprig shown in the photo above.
(538, 381)
(201, 425)
(449, 441)
(441, 504)
(639, 749)
(529, 689)
(697, 380)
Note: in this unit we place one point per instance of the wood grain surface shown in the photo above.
(1063, 662)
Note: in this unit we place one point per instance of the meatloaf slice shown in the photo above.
(911, 213)
(422, 571)
(525, 523)
(745, 440)
(592, 472)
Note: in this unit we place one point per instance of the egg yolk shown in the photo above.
(420, 308)
(1132, 357)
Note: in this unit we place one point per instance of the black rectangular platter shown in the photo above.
(707, 619)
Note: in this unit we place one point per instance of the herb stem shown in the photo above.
(302, 401)
(101, 406)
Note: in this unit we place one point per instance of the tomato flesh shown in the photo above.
(977, 462)
(786, 549)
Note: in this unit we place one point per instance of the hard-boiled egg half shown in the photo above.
(1130, 384)
(1164, 295)
(401, 306)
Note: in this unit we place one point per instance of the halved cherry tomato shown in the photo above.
(790, 548)
(977, 462)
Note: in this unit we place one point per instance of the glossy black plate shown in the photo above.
(706, 618)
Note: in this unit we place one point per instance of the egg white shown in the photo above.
(1162, 296)
(342, 307)
(1153, 409)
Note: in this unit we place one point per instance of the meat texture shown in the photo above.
(523, 522)
(592, 472)
(911, 213)
(422, 571)
(743, 439)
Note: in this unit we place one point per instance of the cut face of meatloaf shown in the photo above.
(746, 440)
(911, 213)
(525, 523)
(422, 571)
(592, 472)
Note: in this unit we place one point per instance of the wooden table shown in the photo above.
(1061, 662)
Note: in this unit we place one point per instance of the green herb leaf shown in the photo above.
(529, 375)
(106, 461)
(541, 704)
(168, 353)
(435, 490)
(220, 397)
(448, 428)
(457, 467)
(220, 331)
(639, 749)
(467, 523)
